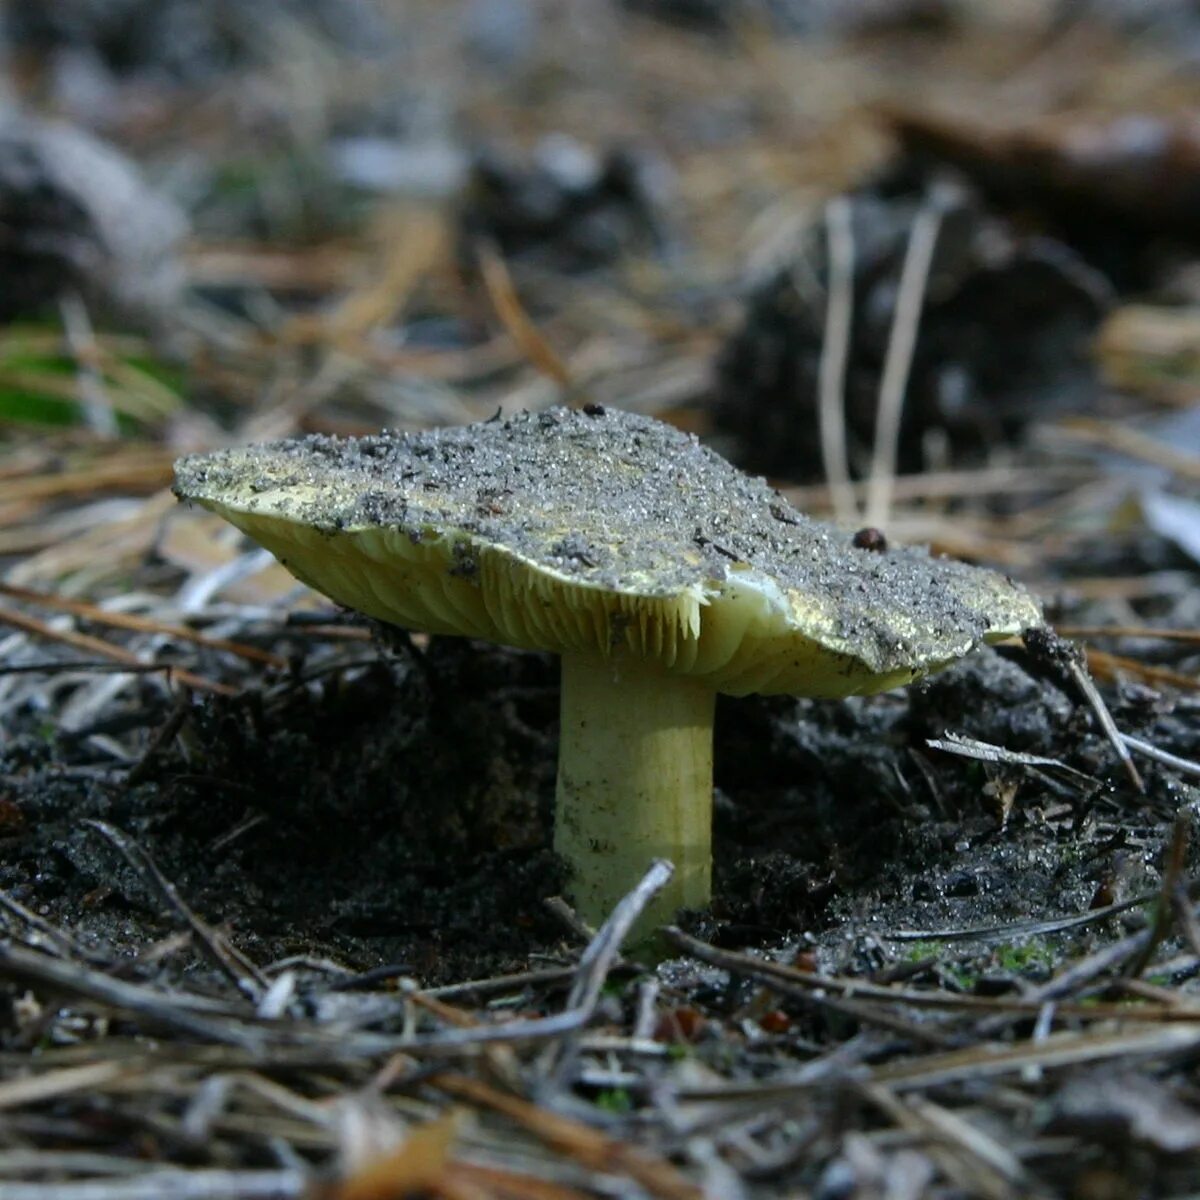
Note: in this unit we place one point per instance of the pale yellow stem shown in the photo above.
(634, 784)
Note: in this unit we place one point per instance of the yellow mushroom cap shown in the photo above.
(605, 534)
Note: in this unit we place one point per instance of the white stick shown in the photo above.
(835, 350)
(910, 299)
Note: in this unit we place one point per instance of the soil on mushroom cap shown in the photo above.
(609, 502)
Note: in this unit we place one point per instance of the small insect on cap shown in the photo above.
(604, 534)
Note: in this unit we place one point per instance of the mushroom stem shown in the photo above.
(634, 783)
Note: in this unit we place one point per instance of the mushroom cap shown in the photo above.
(605, 534)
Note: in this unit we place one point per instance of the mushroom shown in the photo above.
(659, 573)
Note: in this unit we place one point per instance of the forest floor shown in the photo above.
(274, 881)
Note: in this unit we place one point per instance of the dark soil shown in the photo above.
(400, 813)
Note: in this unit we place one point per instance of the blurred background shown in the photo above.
(225, 222)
